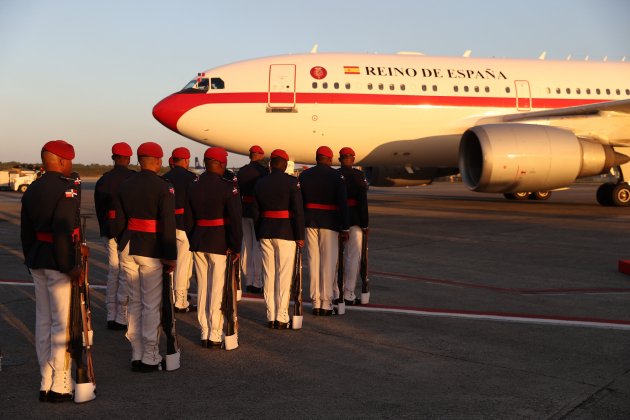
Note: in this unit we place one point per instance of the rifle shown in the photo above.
(229, 303)
(365, 282)
(239, 286)
(81, 330)
(168, 322)
(341, 304)
(296, 322)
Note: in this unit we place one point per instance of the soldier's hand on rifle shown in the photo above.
(169, 265)
(344, 235)
(300, 243)
(75, 276)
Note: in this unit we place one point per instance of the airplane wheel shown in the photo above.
(22, 188)
(621, 195)
(604, 194)
(520, 196)
(541, 195)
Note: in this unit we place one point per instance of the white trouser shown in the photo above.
(352, 262)
(278, 261)
(52, 315)
(116, 297)
(183, 271)
(322, 247)
(210, 270)
(251, 256)
(144, 282)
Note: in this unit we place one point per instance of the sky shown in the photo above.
(90, 72)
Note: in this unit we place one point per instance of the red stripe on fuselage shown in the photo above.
(170, 109)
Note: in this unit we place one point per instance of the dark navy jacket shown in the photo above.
(213, 215)
(277, 210)
(325, 198)
(181, 179)
(151, 198)
(106, 188)
(356, 186)
(50, 222)
(247, 177)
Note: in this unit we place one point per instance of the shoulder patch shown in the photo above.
(71, 193)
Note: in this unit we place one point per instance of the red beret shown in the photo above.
(60, 148)
(181, 153)
(256, 149)
(122, 149)
(346, 151)
(216, 153)
(170, 160)
(280, 153)
(150, 149)
(324, 151)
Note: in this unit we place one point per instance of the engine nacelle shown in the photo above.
(507, 158)
(401, 176)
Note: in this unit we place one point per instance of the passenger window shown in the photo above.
(487, 89)
(465, 88)
(347, 85)
(424, 88)
(569, 90)
(391, 87)
(434, 88)
(325, 85)
(627, 91)
(403, 87)
(507, 89)
(217, 83)
(456, 88)
(578, 91)
(558, 91)
(588, 91)
(477, 89)
(370, 87)
(618, 92)
(598, 91)
(336, 85)
(314, 85)
(380, 86)
(607, 91)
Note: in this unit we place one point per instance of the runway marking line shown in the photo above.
(503, 289)
(559, 320)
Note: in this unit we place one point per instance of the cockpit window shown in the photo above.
(202, 84)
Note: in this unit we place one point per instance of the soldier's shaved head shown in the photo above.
(150, 163)
(54, 163)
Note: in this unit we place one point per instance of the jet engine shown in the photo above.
(510, 158)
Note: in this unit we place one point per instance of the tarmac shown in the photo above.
(481, 308)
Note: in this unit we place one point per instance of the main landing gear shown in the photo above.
(611, 194)
(526, 195)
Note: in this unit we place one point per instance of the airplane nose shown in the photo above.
(169, 110)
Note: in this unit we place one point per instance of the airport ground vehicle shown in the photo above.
(17, 179)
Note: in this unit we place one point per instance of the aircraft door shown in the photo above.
(523, 95)
(281, 87)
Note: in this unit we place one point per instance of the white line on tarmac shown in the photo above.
(521, 318)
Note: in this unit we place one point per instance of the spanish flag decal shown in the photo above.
(351, 70)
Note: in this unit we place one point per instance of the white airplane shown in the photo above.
(517, 127)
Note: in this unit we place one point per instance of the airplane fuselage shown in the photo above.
(394, 110)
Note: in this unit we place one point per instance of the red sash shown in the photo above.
(142, 225)
(318, 206)
(277, 214)
(212, 222)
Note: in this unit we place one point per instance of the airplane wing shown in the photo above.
(605, 122)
